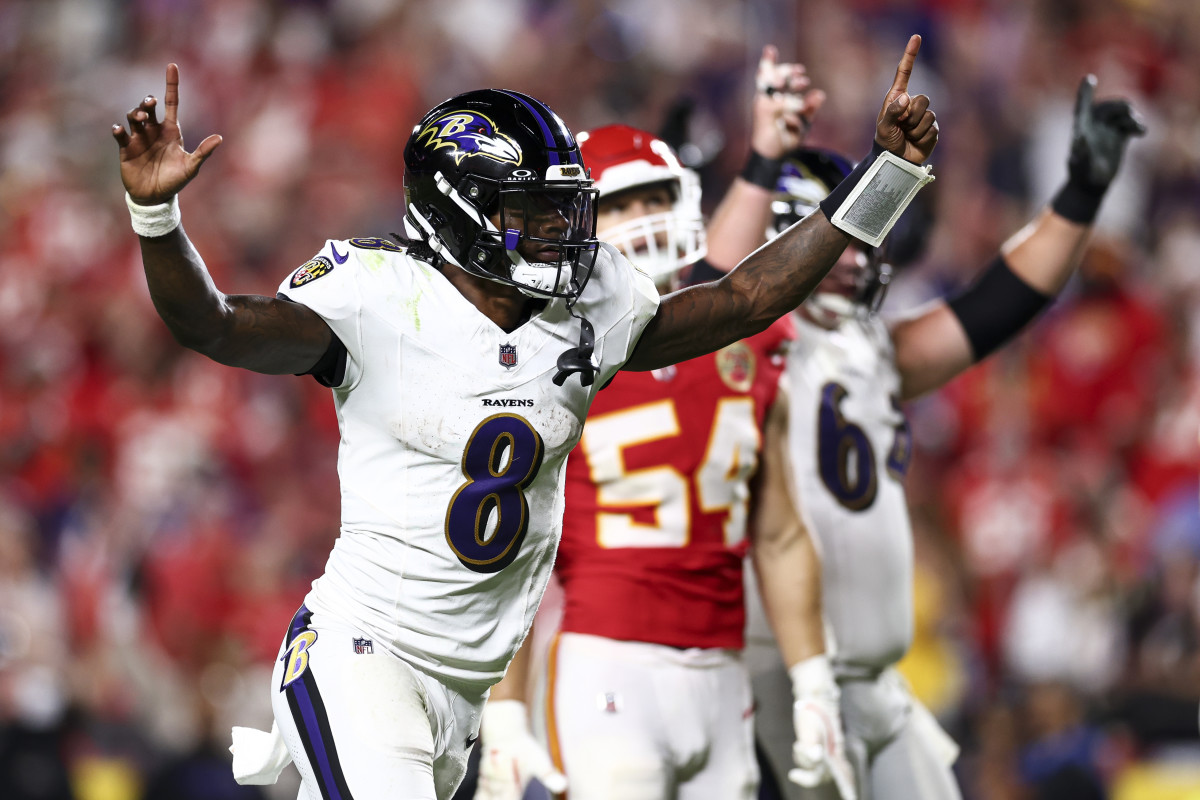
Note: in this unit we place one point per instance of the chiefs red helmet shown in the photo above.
(624, 159)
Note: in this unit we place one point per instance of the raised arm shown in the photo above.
(784, 107)
(263, 334)
(778, 276)
(941, 340)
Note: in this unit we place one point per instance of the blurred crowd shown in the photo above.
(161, 516)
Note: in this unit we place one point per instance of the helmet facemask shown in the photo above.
(495, 185)
(856, 291)
(664, 233)
(846, 293)
(548, 236)
(553, 220)
(665, 243)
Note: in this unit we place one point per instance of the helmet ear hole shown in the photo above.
(479, 195)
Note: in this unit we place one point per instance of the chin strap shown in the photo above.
(578, 359)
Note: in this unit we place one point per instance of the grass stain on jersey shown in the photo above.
(374, 261)
(425, 274)
(412, 306)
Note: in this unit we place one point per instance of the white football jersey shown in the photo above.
(849, 446)
(454, 440)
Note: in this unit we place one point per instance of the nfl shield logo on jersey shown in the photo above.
(364, 647)
(508, 356)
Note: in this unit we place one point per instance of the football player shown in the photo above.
(647, 695)
(849, 449)
(462, 360)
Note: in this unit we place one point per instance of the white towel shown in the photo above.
(258, 756)
(926, 726)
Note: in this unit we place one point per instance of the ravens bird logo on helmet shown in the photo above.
(470, 134)
(494, 184)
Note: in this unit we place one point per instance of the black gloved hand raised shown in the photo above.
(1098, 137)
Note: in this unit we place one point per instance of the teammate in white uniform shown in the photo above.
(462, 362)
(849, 447)
(647, 697)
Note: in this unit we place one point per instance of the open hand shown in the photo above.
(905, 125)
(154, 164)
(784, 106)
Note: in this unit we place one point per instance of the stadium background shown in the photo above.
(161, 516)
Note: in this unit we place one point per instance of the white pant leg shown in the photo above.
(363, 724)
(460, 717)
(916, 763)
(636, 721)
(905, 761)
(730, 770)
(604, 721)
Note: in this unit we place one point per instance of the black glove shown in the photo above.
(1098, 138)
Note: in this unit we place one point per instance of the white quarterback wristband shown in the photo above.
(880, 197)
(152, 221)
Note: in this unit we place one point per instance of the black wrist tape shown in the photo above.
(762, 171)
(833, 201)
(1077, 203)
(994, 308)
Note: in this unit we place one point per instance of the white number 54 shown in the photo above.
(721, 482)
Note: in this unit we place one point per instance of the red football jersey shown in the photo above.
(657, 498)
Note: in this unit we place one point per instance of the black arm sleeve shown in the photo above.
(330, 369)
(704, 272)
(994, 308)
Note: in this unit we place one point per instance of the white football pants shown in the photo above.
(896, 747)
(638, 721)
(361, 723)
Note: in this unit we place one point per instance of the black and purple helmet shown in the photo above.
(806, 176)
(497, 153)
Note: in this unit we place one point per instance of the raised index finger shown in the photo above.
(171, 98)
(765, 79)
(1083, 100)
(900, 84)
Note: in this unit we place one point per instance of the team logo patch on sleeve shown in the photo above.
(736, 366)
(311, 271)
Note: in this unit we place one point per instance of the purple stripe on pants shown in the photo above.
(312, 727)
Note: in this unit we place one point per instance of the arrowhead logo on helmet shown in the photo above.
(470, 134)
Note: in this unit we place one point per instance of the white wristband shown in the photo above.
(152, 221)
(880, 197)
(813, 676)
